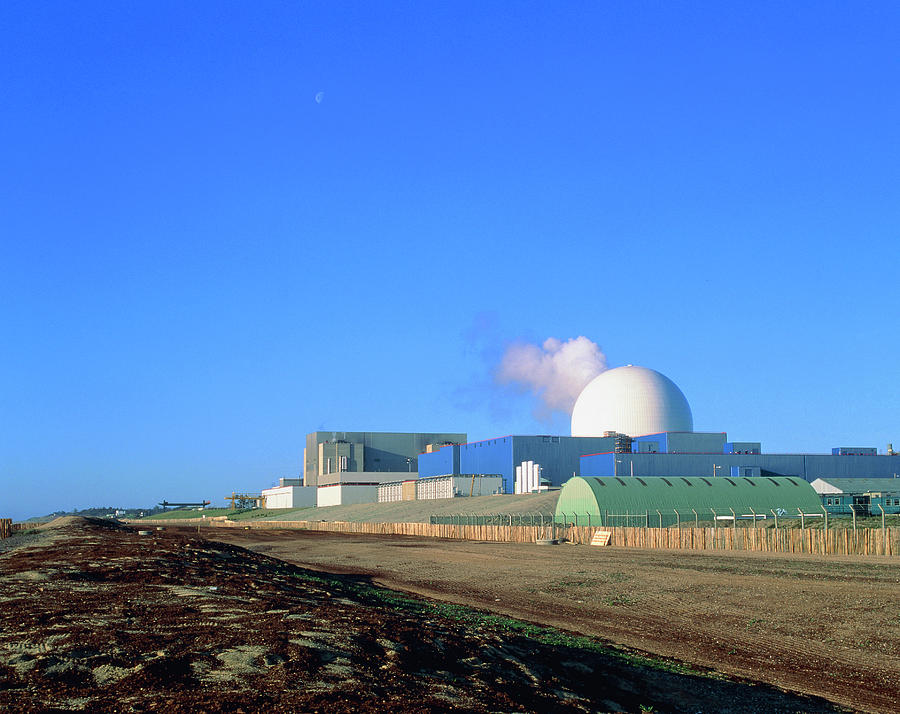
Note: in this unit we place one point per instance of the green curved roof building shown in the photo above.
(602, 498)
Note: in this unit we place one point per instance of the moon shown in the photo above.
(319, 97)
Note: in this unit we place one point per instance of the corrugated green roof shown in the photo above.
(597, 496)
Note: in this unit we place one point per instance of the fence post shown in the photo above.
(715, 523)
(733, 519)
(754, 516)
(660, 518)
(696, 519)
(825, 511)
(883, 532)
(775, 516)
(802, 519)
(853, 511)
(677, 517)
(646, 519)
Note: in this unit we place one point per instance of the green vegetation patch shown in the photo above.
(478, 619)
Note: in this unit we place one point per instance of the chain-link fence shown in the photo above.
(737, 517)
(494, 519)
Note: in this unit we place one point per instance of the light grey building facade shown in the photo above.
(330, 452)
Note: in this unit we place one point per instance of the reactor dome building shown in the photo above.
(631, 400)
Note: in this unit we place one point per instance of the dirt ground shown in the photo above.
(827, 626)
(99, 618)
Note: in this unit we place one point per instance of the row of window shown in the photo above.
(836, 501)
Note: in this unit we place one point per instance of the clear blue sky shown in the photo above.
(201, 263)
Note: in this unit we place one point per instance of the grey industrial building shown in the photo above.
(337, 452)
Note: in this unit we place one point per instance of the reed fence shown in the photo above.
(835, 541)
(8, 527)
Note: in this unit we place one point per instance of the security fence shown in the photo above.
(494, 519)
(788, 537)
(638, 519)
(737, 517)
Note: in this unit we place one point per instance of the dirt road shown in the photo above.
(828, 626)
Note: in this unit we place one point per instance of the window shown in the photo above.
(667, 482)
(642, 482)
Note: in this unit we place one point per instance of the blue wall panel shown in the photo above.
(806, 466)
(559, 456)
(440, 463)
(492, 456)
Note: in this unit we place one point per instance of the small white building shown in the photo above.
(348, 487)
(342, 494)
(397, 491)
(456, 486)
(289, 494)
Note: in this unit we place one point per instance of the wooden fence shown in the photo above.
(8, 527)
(863, 541)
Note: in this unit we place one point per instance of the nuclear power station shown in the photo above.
(628, 422)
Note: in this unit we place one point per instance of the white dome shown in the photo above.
(631, 400)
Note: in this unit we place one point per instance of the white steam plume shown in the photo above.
(555, 371)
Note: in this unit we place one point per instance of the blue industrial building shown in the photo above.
(558, 457)
(712, 455)
(701, 454)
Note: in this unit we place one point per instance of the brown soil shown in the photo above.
(826, 626)
(101, 619)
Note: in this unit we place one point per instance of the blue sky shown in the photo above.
(200, 263)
